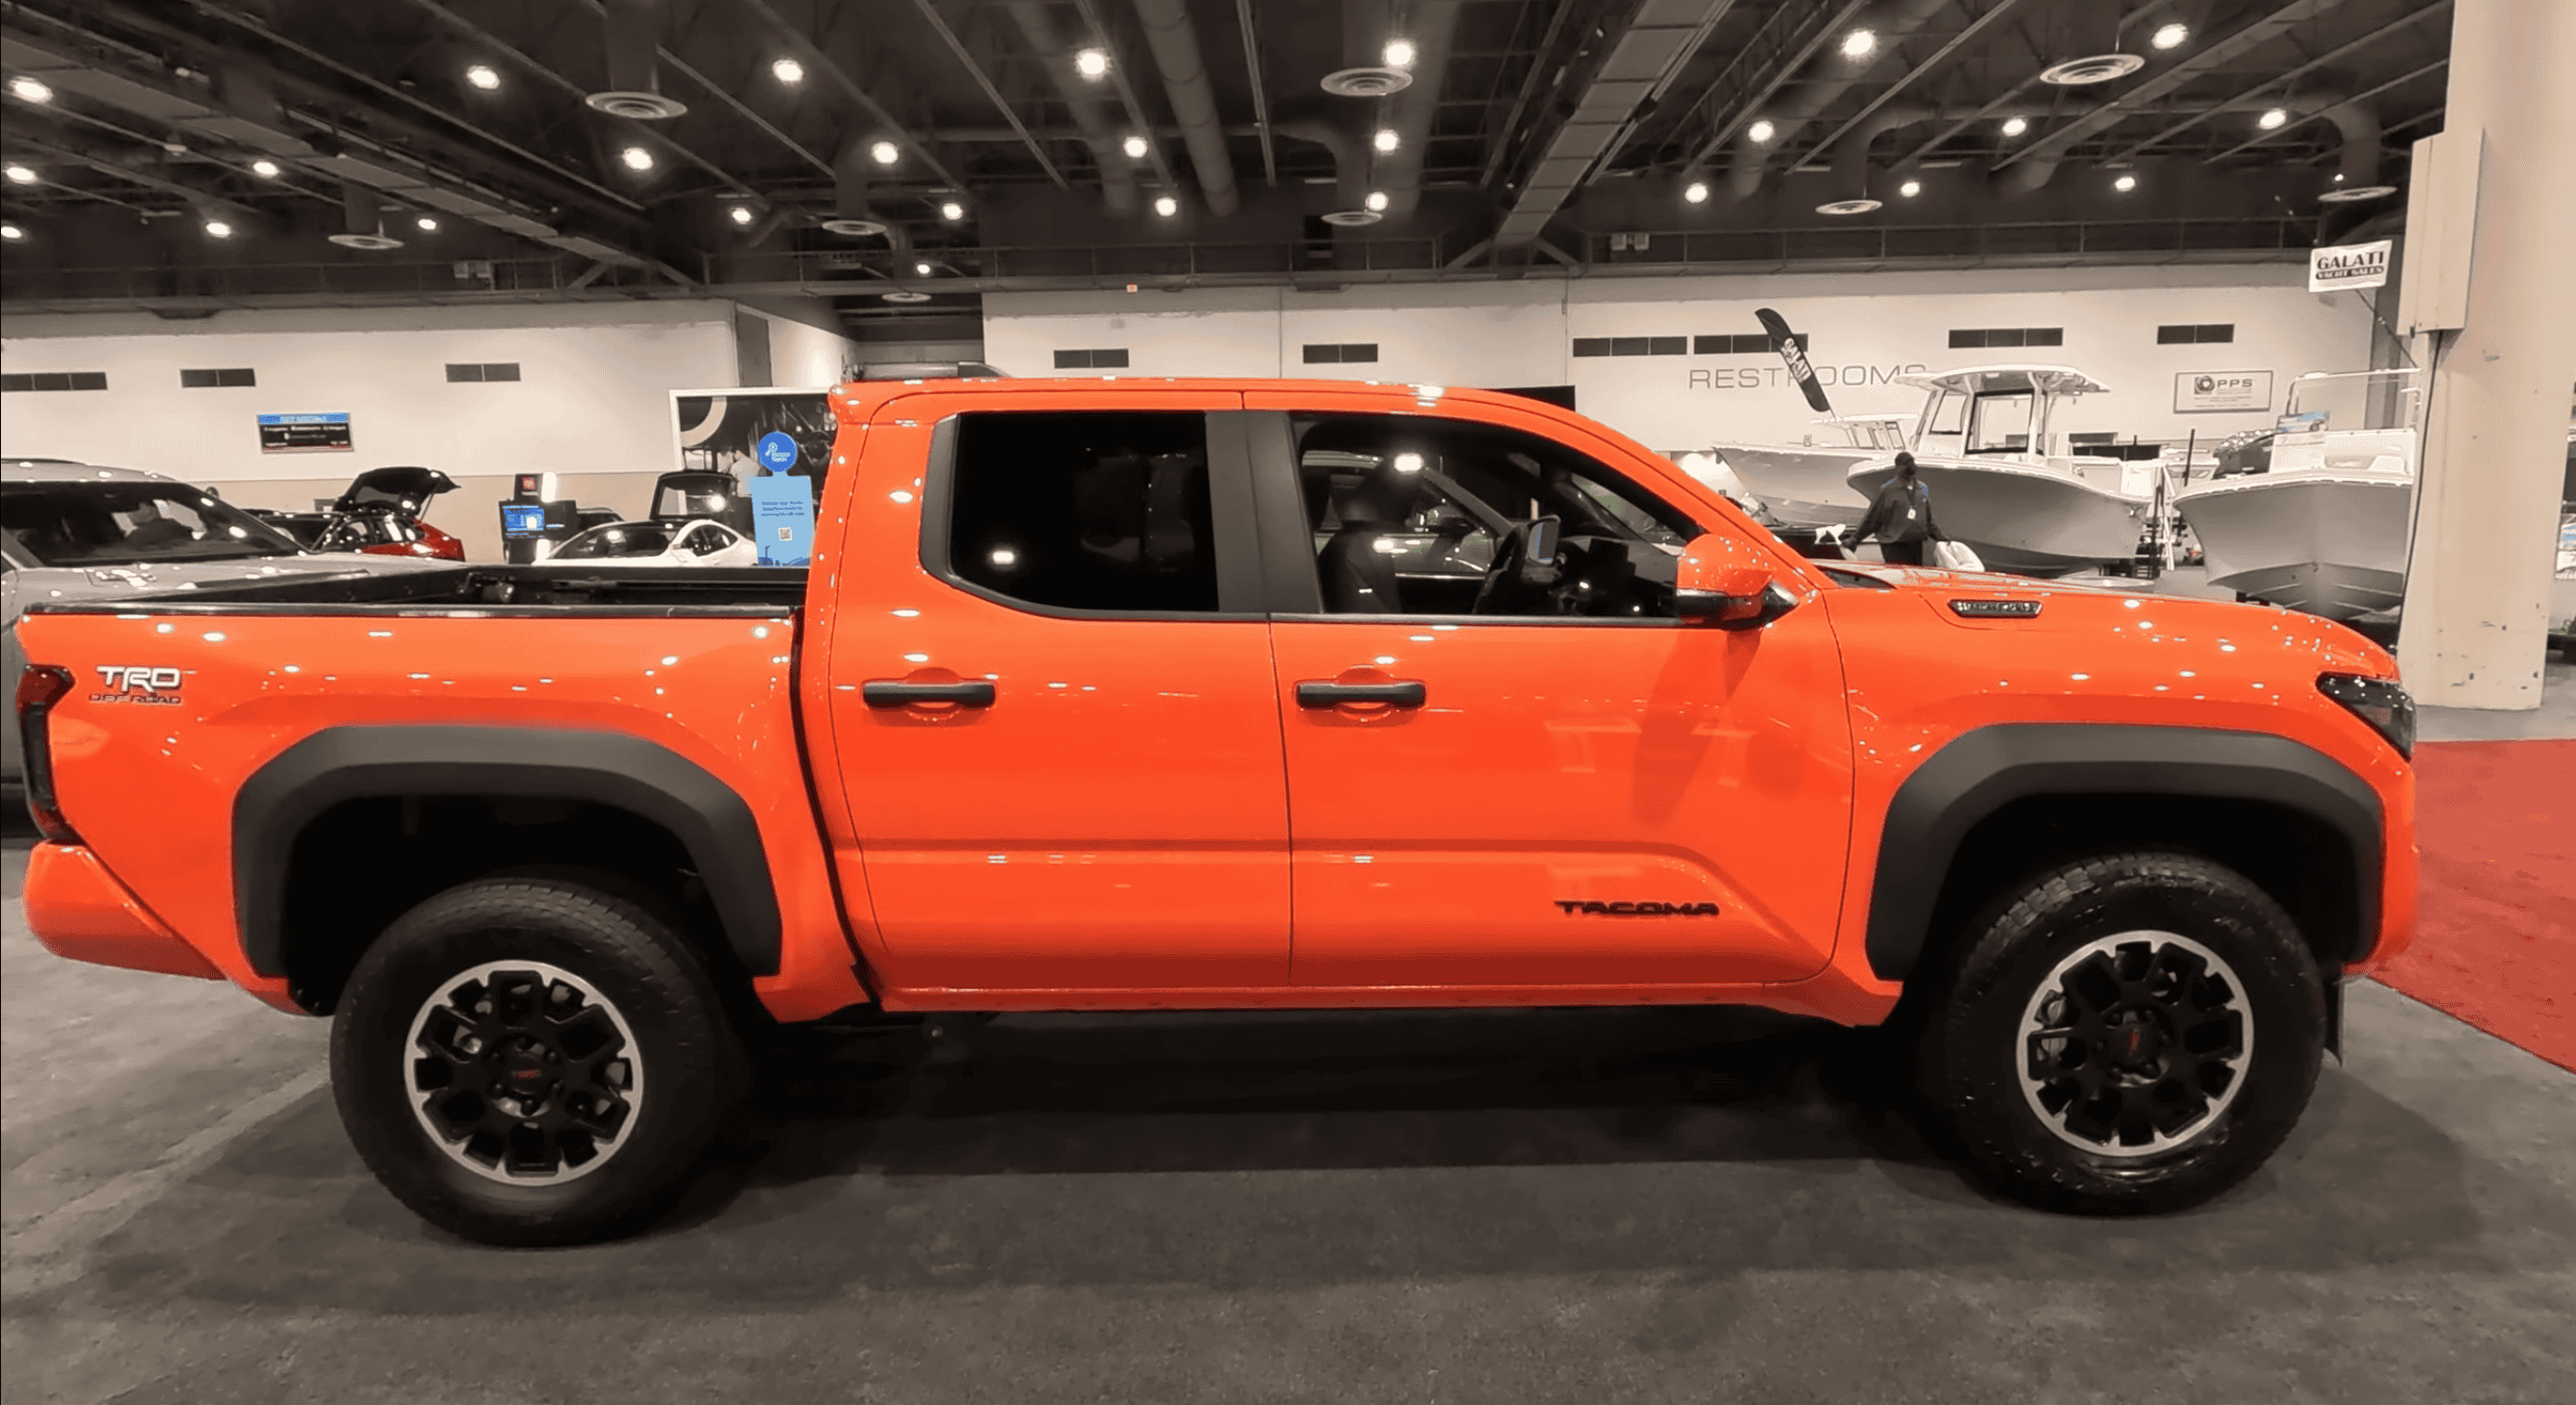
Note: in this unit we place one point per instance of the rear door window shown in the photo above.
(1092, 512)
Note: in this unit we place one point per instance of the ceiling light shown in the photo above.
(1166, 206)
(886, 153)
(951, 210)
(264, 168)
(22, 175)
(1910, 189)
(29, 90)
(2171, 36)
(1386, 139)
(1860, 43)
(1762, 130)
(2271, 118)
(482, 76)
(1696, 192)
(1091, 63)
(427, 224)
(2125, 184)
(11, 231)
(1399, 53)
(787, 71)
(1135, 148)
(217, 229)
(2015, 126)
(1376, 200)
(739, 214)
(636, 158)
(921, 268)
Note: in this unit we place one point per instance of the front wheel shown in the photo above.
(2128, 1034)
(532, 1060)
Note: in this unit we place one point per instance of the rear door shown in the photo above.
(1537, 778)
(1051, 696)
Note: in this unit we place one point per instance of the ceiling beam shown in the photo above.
(1137, 119)
(725, 95)
(2244, 39)
(1260, 94)
(1722, 128)
(1502, 141)
(2259, 138)
(948, 36)
(2340, 51)
(815, 60)
(1939, 57)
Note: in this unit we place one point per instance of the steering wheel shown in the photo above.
(1511, 571)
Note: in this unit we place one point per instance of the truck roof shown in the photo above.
(854, 399)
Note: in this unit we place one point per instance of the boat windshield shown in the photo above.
(2000, 422)
(1887, 434)
(2357, 400)
(1946, 412)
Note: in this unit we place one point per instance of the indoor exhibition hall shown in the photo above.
(1287, 700)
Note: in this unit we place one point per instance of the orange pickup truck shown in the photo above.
(1170, 694)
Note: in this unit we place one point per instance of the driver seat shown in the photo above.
(1357, 575)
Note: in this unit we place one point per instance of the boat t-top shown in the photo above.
(2002, 480)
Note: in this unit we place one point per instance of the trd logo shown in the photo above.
(138, 679)
(1588, 909)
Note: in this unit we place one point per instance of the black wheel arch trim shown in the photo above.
(1983, 770)
(614, 769)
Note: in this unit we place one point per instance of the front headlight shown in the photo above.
(2380, 702)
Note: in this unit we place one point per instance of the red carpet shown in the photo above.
(2497, 946)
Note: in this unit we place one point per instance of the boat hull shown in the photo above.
(1803, 485)
(2021, 518)
(2328, 543)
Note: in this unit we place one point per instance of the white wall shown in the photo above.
(1864, 329)
(804, 354)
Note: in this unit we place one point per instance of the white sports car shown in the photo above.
(703, 542)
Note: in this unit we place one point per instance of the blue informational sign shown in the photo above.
(782, 516)
(304, 434)
(776, 451)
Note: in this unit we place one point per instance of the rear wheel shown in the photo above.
(531, 1060)
(2128, 1034)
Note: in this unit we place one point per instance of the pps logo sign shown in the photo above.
(137, 683)
(2218, 392)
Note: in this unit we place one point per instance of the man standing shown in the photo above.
(1901, 517)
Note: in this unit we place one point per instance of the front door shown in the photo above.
(1051, 697)
(1505, 772)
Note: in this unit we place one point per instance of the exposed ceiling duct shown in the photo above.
(1661, 36)
(1810, 100)
(1851, 152)
(363, 221)
(1175, 42)
(1347, 143)
(1090, 113)
(634, 87)
(2358, 122)
(851, 214)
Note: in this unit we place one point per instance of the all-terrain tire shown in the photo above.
(2127, 1034)
(530, 1060)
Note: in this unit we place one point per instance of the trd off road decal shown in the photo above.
(137, 684)
(1590, 909)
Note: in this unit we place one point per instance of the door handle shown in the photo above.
(888, 692)
(1324, 693)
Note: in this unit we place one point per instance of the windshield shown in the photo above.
(2358, 400)
(123, 524)
(624, 539)
(2000, 423)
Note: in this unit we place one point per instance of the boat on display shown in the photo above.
(1804, 485)
(2321, 524)
(2004, 484)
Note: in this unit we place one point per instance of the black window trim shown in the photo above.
(1296, 596)
(1230, 509)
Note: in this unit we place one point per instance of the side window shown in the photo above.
(1418, 516)
(710, 540)
(1085, 510)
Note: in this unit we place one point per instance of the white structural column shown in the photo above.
(2495, 442)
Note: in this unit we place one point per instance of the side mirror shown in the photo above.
(1729, 597)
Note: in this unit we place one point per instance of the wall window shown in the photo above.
(1632, 346)
(1418, 516)
(2194, 333)
(482, 370)
(1741, 344)
(2008, 336)
(1085, 511)
(1338, 353)
(1104, 358)
(226, 376)
(55, 380)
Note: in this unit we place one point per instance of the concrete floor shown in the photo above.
(1644, 1205)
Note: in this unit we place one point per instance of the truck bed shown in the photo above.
(478, 591)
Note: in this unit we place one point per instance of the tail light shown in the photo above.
(39, 688)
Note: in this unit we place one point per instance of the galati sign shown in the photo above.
(2348, 266)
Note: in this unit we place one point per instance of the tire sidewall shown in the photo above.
(1982, 1034)
(606, 941)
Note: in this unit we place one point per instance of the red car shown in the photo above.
(1153, 695)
